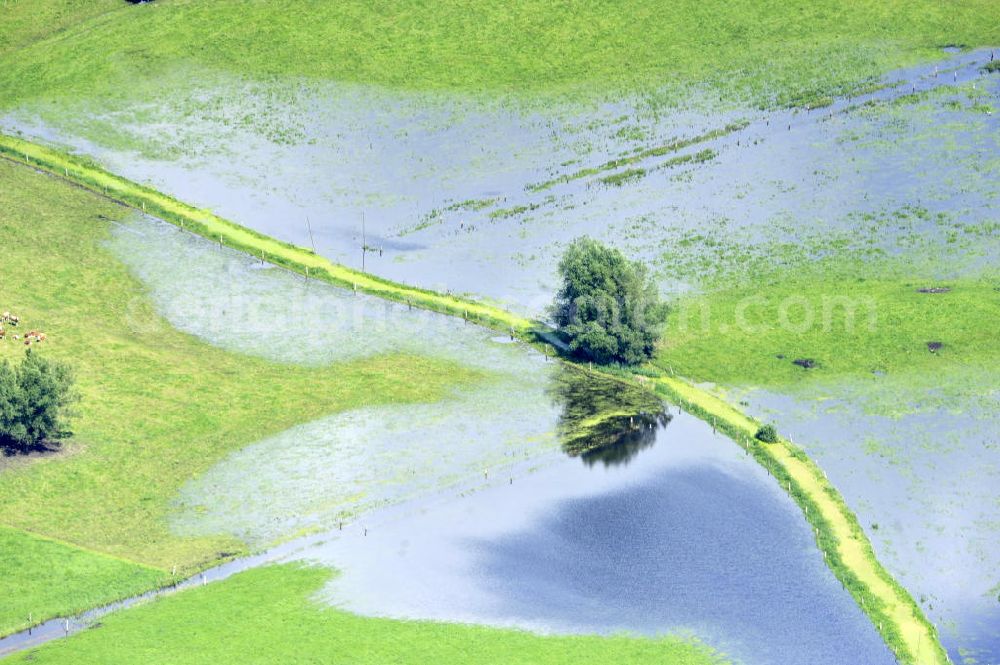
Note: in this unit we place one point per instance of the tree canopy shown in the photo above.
(607, 307)
(35, 396)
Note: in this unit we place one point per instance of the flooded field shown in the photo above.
(323, 472)
(478, 197)
(921, 468)
(689, 536)
(464, 488)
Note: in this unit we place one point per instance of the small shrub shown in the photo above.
(767, 434)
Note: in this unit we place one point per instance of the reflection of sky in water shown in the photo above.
(690, 537)
(929, 481)
(270, 157)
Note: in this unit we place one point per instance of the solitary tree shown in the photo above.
(35, 397)
(9, 397)
(607, 306)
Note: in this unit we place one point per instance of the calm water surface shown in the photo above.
(688, 536)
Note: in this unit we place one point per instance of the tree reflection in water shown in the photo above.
(604, 420)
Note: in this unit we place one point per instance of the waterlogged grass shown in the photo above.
(622, 177)
(44, 578)
(158, 407)
(790, 52)
(648, 153)
(267, 615)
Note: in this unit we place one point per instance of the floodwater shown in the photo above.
(322, 472)
(682, 535)
(469, 510)
(448, 189)
(445, 186)
(924, 485)
(688, 537)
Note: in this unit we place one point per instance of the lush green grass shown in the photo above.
(792, 50)
(849, 325)
(25, 21)
(266, 616)
(62, 579)
(158, 407)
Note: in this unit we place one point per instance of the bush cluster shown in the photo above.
(767, 434)
(35, 397)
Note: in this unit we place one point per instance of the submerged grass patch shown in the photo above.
(785, 52)
(267, 615)
(647, 153)
(158, 407)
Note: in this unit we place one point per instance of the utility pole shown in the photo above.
(311, 240)
(364, 242)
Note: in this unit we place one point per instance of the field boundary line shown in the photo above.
(83, 548)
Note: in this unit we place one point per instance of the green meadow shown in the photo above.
(772, 51)
(59, 578)
(266, 615)
(158, 407)
(849, 326)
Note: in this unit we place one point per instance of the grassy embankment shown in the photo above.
(773, 51)
(158, 408)
(897, 617)
(266, 615)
